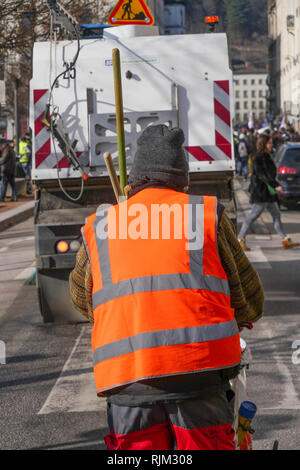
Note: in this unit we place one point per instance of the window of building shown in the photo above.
(253, 104)
(253, 94)
(237, 105)
(253, 82)
(237, 82)
(260, 81)
(261, 93)
(261, 105)
(245, 116)
(238, 116)
(237, 94)
(245, 82)
(245, 94)
(246, 104)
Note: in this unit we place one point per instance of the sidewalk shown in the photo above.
(12, 213)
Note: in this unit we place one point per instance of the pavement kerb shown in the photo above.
(16, 215)
(259, 227)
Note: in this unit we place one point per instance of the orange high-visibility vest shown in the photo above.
(161, 298)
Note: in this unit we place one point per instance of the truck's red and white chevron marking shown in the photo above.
(222, 148)
(44, 159)
(41, 134)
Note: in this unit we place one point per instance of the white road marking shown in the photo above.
(3, 249)
(282, 297)
(15, 241)
(290, 399)
(256, 255)
(263, 237)
(25, 273)
(75, 390)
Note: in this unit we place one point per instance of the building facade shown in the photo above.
(284, 59)
(157, 8)
(250, 93)
(175, 17)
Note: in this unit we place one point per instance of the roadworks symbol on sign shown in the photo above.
(131, 12)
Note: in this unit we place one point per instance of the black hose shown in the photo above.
(70, 66)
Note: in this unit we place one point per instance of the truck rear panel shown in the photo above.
(181, 80)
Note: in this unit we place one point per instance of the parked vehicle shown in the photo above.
(287, 160)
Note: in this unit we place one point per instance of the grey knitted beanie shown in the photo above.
(160, 156)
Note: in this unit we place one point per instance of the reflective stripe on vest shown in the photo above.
(209, 344)
(154, 339)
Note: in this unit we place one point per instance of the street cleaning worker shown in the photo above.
(25, 160)
(166, 308)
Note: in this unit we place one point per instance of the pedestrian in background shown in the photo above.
(277, 139)
(236, 142)
(263, 189)
(243, 151)
(8, 164)
(252, 141)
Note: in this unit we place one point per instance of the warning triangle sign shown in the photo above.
(131, 12)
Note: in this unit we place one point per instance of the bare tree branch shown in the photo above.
(23, 22)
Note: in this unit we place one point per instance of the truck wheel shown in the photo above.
(54, 297)
(44, 308)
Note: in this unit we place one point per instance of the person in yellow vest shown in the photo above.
(166, 326)
(25, 159)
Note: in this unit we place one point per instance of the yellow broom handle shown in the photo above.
(119, 117)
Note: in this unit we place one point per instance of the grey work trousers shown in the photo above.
(257, 210)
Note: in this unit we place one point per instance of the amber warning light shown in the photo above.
(62, 246)
(212, 19)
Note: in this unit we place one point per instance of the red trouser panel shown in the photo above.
(157, 437)
(211, 438)
(192, 425)
(162, 437)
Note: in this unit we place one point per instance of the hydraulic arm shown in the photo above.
(64, 19)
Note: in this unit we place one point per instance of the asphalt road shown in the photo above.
(36, 364)
(274, 376)
(47, 391)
